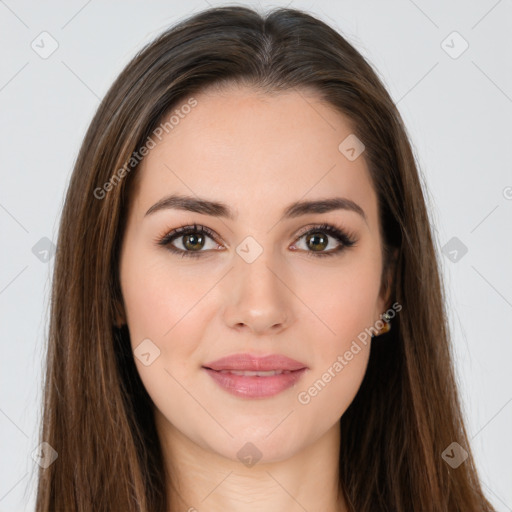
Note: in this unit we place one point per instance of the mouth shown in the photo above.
(248, 376)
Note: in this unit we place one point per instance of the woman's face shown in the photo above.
(263, 280)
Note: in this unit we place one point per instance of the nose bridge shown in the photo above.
(257, 295)
(255, 274)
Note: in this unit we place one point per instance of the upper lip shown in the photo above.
(248, 362)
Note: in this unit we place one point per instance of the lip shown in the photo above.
(248, 362)
(255, 386)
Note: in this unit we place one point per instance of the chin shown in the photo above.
(252, 444)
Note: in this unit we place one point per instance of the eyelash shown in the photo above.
(346, 239)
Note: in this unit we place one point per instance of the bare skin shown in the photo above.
(257, 154)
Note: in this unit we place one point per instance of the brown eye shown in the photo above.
(190, 241)
(193, 239)
(317, 241)
(193, 242)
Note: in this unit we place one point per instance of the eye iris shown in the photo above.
(315, 237)
(197, 241)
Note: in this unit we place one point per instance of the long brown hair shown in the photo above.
(96, 412)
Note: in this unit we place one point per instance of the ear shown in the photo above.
(388, 284)
(119, 313)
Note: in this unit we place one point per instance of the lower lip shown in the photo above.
(255, 387)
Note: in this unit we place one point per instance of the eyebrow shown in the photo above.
(218, 209)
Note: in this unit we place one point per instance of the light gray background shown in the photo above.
(458, 112)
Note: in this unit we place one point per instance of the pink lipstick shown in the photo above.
(249, 376)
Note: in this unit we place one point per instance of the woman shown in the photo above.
(247, 311)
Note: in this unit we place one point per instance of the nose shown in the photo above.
(258, 298)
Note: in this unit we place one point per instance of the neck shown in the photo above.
(201, 479)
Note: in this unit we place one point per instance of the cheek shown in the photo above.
(344, 301)
(156, 299)
(340, 366)
(163, 306)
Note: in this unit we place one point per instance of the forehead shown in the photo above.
(254, 150)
